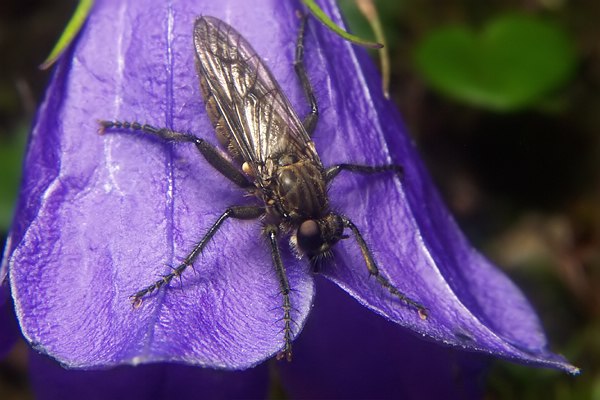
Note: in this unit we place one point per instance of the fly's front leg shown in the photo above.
(210, 152)
(332, 172)
(236, 212)
(310, 122)
(374, 270)
(284, 288)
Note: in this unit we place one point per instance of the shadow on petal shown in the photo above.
(9, 328)
(346, 351)
(157, 381)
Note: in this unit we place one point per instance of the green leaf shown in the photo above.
(11, 158)
(325, 20)
(363, 18)
(512, 63)
(71, 30)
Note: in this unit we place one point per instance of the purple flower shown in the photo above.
(99, 216)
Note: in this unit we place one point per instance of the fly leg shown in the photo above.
(374, 270)
(210, 152)
(236, 212)
(284, 288)
(310, 122)
(332, 172)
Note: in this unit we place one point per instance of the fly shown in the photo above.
(271, 155)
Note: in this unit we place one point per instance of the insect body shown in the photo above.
(272, 156)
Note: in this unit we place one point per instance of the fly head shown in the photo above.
(317, 236)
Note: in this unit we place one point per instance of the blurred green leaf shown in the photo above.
(325, 20)
(71, 30)
(11, 156)
(512, 63)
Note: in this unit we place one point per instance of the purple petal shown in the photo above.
(347, 352)
(156, 381)
(101, 215)
(416, 242)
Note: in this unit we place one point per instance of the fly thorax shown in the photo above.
(301, 191)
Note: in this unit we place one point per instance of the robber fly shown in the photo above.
(271, 155)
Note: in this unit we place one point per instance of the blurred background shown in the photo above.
(502, 98)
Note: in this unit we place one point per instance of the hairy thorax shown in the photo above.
(297, 190)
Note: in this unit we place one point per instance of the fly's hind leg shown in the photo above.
(236, 212)
(310, 122)
(210, 152)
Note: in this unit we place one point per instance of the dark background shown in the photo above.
(523, 183)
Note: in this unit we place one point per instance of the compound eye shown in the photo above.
(309, 236)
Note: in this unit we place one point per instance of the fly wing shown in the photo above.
(250, 113)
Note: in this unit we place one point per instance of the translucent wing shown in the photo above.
(250, 113)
